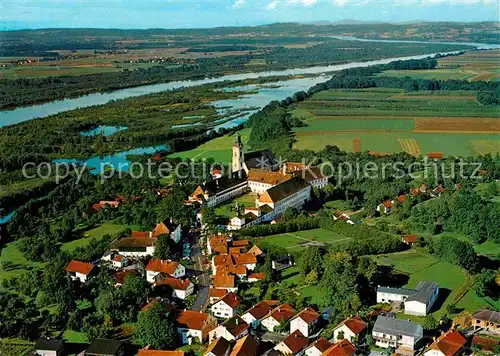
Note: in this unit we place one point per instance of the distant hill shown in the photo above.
(345, 22)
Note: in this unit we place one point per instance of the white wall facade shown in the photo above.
(390, 297)
(313, 351)
(227, 194)
(415, 308)
(348, 334)
(221, 331)
(269, 323)
(301, 325)
(187, 335)
(222, 310)
(183, 294)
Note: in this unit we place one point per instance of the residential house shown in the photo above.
(167, 227)
(105, 347)
(409, 239)
(226, 306)
(148, 352)
(450, 343)
(436, 192)
(253, 315)
(305, 321)
(194, 326)
(225, 281)
(120, 276)
(232, 329)
(246, 346)
(256, 251)
(385, 207)
(485, 344)
(318, 347)
(247, 260)
(80, 271)
(157, 267)
(48, 347)
(114, 259)
(488, 320)
(255, 277)
(293, 344)
(341, 348)
(139, 245)
(216, 294)
(391, 295)
(401, 334)
(181, 288)
(218, 347)
(352, 329)
(338, 215)
(278, 315)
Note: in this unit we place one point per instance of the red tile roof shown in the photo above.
(296, 342)
(485, 343)
(449, 343)
(218, 347)
(217, 293)
(401, 198)
(355, 324)
(259, 276)
(235, 325)
(244, 258)
(224, 280)
(162, 266)
(245, 346)
(79, 267)
(260, 310)
(410, 238)
(177, 284)
(341, 348)
(322, 344)
(140, 234)
(282, 312)
(309, 315)
(231, 299)
(387, 204)
(120, 276)
(191, 319)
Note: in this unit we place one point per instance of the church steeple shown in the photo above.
(237, 156)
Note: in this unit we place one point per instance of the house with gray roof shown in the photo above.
(403, 335)
(418, 301)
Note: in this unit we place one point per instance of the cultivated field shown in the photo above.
(390, 120)
(472, 66)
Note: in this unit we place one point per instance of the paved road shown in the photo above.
(203, 279)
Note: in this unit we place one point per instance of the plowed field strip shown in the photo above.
(449, 124)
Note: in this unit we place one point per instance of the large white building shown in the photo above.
(418, 301)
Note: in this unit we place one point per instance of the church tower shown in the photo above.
(238, 156)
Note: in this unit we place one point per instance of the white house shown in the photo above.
(114, 259)
(253, 315)
(156, 267)
(232, 329)
(390, 295)
(389, 332)
(281, 313)
(181, 288)
(236, 222)
(260, 180)
(194, 326)
(318, 347)
(305, 321)
(293, 344)
(218, 347)
(226, 306)
(167, 227)
(81, 271)
(351, 329)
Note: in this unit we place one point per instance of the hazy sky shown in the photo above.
(16, 14)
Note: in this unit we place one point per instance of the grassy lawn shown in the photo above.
(11, 253)
(294, 241)
(487, 248)
(421, 267)
(97, 233)
(292, 276)
(248, 200)
(220, 149)
(74, 336)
